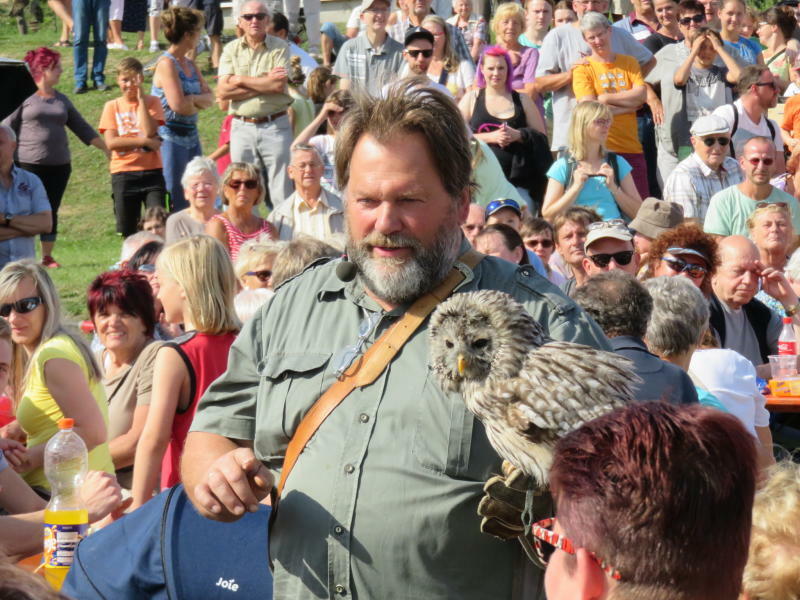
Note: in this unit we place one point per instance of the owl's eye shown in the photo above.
(480, 343)
(448, 343)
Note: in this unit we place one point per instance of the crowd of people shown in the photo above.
(620, 170)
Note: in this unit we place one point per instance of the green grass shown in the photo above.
(87, 243)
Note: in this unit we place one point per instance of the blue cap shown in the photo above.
(496, 205)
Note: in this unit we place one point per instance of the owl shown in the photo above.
(527, 390)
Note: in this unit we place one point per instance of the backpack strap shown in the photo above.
(734, 128)
(614, 162)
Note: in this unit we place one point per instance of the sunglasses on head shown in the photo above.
(781, 205)
(685, 21)
(250, 184)
(602, 260)
(256, 16)
(20, 307)
(681, 266)
(546, 542)
(263, 276)
(722, 141)
(416, 53)
(765, 161)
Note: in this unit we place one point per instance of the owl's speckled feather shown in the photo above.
(526, 391)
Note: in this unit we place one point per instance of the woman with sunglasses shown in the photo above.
(588, 174)
(684, 251)
(253, 266)
(54, 374)
(242, 189)
(122, 310)
(196, 287)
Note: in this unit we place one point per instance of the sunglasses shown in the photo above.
(546, 542)
(602, 260)
(722, 141)
(697, 19)
(21, 307)
(681, 266)
(782, 205)
(256, 16)
(542, 243)
(250, 184)
(755, 161)
(613, 223)
(766, 84)
(416, 53)
(263, 276)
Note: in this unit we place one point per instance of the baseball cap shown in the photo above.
(496, 205)
(708, 124)
(365, 4)
(655, 216)
(613, 228)
(417, 33)
(677, 251)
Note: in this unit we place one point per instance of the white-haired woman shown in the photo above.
(724, 378)
(196, 288)
(54, 374)
(200, 184)
(242, 188)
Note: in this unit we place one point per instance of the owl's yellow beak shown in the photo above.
(462, 364)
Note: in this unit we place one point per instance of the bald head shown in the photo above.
(736, 281)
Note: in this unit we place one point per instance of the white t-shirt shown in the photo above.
(732, 379)
(746, 129)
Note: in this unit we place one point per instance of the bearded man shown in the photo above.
(382, 501)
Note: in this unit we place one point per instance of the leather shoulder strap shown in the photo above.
(368, 368)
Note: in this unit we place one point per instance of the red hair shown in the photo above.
(40, 60)
(127, 290)
(662, 492)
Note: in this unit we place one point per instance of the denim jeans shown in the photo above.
(175, 157)
(88, 14)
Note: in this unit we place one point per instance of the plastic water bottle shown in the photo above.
(6, 410)
(787, 342)
(66, 520)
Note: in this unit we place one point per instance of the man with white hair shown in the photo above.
(252, 76)
(25, 209)
(311, 210)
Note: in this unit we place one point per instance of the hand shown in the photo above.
(140, 88)
(101, 494)
(235, 80)
(154, 143)
(774, 283)
(513, 134)
(278, 74)
(584, 60)
(235, 482)
(698, 42)
(580, 175)
(500, 136)
(14, 451)
(715, 43)
(606, 170)
(657, 108)
(330, 108)
(14, 431)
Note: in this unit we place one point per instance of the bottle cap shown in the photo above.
(66, 423)
(787, 320)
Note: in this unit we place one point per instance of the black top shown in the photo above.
(483, 122)
(657, 41)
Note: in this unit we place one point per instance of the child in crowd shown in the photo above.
(129, 124)
(154, 221)
(563, 14)
(301, 110)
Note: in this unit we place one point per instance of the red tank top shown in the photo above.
(206, 357)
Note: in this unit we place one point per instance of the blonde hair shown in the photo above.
(10, 278)
(294, 256)
(451, 62)
(770, 207)
(201, 267)
(505, 11)
(582, 117)
(253, 252)
(250, 171)
(773, 564)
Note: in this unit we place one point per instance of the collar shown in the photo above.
(628, 341)
(370, 48)
(704, 168)
(635, 21)
(243, 43)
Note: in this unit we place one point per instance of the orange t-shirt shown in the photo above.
(791, 116)
(120, 115)
(622, 75)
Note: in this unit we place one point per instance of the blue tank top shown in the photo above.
(179, 129)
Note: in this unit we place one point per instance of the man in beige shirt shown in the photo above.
(311, 209)
(252, 76)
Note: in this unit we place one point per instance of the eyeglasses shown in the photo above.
(307, 165)
(755, 161)
(782, 205)
(263, 276)
(21, 307)
(697, 19)
(380, 11)
(770, 84)
(602, 260)
(542, 243)
(602, 122)
(681, 266)
(250, 184)
(722, 141)
(256, 16)
(416, 53)
(547, 541)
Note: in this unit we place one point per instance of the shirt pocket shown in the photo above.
(449, 439)
(290, 385)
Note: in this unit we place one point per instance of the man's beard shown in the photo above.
(402, 280)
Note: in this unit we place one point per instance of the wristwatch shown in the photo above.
(791, 310)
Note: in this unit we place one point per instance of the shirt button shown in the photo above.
(340, 590)
(363, 417)
(338, 530)
(349, 469)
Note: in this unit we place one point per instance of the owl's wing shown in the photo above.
(563, 385)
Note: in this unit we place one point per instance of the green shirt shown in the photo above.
(382, 502)
(729, 209)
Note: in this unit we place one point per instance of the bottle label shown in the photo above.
(60, 542)
(787, 347)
